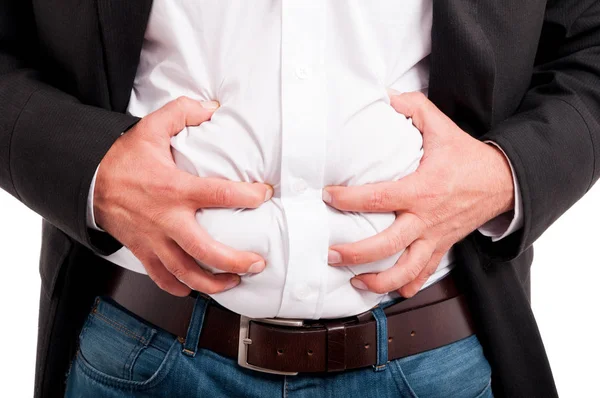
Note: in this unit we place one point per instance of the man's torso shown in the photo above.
(302, 88)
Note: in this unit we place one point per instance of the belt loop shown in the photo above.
(192, 337)
(382, 339)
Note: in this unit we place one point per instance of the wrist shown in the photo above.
(502, 180)
(104, 177)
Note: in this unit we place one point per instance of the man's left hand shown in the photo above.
(460, 184)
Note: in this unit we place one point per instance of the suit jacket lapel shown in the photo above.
(122, 25)
(463, 67)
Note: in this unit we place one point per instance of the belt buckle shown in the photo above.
(245, 341)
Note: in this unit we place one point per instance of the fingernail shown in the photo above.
(211, 105)
(269, 193)
(256, 267)
(326, 196)
(233, 283)
(357, 283)
(334, 257)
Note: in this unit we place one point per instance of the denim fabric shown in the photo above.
(122, 356)
(382, 338)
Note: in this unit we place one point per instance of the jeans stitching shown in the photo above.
(396, 364)
(120, 327)
(485, 390)
(134, 359)
(136, 353)
(129, 385)
(130, 361)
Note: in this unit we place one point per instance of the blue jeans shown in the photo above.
(122, 356)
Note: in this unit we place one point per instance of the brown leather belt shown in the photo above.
(436, 316)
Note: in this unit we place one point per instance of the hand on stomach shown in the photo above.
(376, 144)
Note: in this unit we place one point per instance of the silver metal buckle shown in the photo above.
(245, 341)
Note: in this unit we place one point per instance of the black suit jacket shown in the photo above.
(525, 74)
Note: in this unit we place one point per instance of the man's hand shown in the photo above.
(149, 205)
(461, 183)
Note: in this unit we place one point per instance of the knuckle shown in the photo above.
(182, 102)
(376, 201)
(198, 250)
(418, 99)
(136, 249)
(381, 200)
(427, 272)
(395, 242)
(224, 196)
(212, 288)
(381, 286)
(412, 272)
(237, 266)
(419, 96)
(384, 283)
(379, 289)
(164, 186)
(177, 111)
(161, 282)
(423, 259)
(179, 272)
(355, 257)
(158, 217)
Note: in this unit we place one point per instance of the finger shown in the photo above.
(186, 270)
(403, 231)
(163, 278)
(412, 288)
(408, 267)
(215, 192)
(417, 106)
(196, 242)
(373, 198)
(180, 113)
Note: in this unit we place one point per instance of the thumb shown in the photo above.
(424, 114)
(183, 112)
(426, 117)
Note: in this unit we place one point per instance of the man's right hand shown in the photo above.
(149, 205)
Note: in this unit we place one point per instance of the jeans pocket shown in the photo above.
(119, 350)
(456, 370)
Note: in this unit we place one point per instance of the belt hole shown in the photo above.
(280, 351)
(413, 333)
(309, 352)
(390, 339)
(367, 345)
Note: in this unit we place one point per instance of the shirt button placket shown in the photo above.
(303, 156)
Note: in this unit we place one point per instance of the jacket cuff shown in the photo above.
(505, 224)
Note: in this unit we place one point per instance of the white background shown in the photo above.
(565, 296)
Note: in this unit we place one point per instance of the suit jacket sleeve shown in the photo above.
(50, 143)
(553, 140)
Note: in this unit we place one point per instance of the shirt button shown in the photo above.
(300, 186)
(303, 72)
(302, 291)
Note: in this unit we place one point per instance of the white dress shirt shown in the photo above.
(304, 104)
